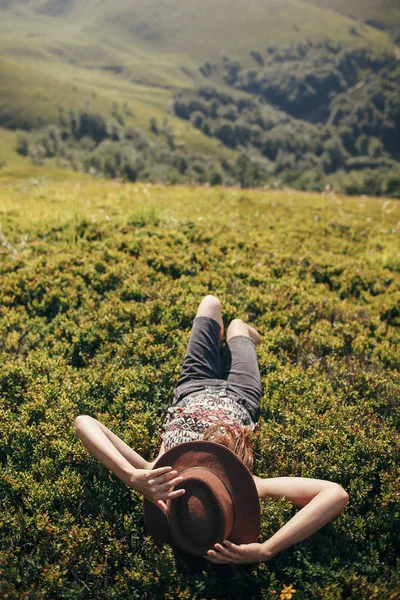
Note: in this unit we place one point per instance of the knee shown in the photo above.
(236, 323)
(210, 306)
(80, 420)
(237, 327)
(211, 302)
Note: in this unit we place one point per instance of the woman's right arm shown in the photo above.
(108, 448)
(127, 464)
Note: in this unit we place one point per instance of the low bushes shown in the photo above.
(96, 309)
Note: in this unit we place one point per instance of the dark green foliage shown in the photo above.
(86, 142)
(315, 108)
(208, 69)
(84, 123)
(22, 145)
(154, 126)
(251, 171)
(257, 57)
(301, 79)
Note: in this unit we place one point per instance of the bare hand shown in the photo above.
(155, 485)
(228, 553)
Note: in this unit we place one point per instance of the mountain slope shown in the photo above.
(96, 32)
(31, 96)
(66, 53)
(384, 14)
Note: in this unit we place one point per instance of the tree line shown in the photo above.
(310, 116)
(318, 113)
(86, 141)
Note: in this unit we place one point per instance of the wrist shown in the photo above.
(131, 477)
(267, 551)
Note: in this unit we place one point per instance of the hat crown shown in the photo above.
(235, 476)
(204, 515)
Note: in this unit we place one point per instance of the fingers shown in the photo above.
(222, 553)
(164, 482)
(162, 506)
(170, 495)
(160, 471)
(161, 497)
(227, 553)
(217, 558)
(159, 479)
(230, 546)
(165, 487)
(164, 479)
(175, 494)
(169, 484)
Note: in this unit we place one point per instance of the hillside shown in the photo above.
(31, 96)
(160, 44)
(125, 63)
(383, 14)
(100, 281)
(184, 30)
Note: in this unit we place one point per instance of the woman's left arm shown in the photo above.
(321, 501)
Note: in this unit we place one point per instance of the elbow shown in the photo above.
(79, 421)
(341, 495)
(345, 496)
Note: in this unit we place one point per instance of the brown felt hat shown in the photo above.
(221, 500)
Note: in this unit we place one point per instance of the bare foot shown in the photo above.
(254, 334)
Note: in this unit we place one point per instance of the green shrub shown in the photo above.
(96, 309)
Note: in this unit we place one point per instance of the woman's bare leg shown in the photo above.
(202, 359)
(239, 327)
(210, 306)
(241, 371)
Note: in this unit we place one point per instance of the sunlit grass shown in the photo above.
(100, 281)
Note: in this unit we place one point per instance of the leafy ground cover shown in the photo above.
(100, 281)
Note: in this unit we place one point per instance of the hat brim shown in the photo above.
(236, 477)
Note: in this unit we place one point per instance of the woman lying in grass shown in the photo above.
(200, 495)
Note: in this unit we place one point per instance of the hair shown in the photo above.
(236, 438)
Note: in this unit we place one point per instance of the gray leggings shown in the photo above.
(202, 370)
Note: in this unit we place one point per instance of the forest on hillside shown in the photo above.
(88, 142)
(313, 116)
(317, 114)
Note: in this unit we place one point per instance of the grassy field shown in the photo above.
(100, 281)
